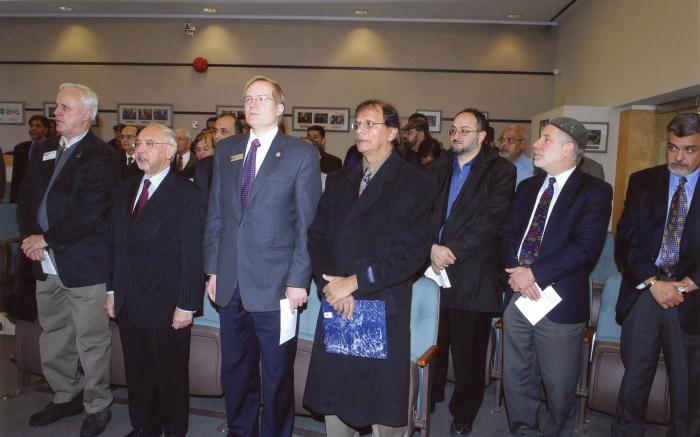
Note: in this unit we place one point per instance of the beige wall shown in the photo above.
(282, 43)
(613, 53)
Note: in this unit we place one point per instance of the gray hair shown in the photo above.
(187, 132)
(168, 134)
(566, 138)
(90, 99)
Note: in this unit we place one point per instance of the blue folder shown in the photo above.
(362, 336)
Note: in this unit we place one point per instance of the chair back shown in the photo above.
(210, 314)
(425, 309)
(606, 262)
(309, 315)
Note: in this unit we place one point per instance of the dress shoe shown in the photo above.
(52, 412)
(138, 432)
(460, 428)
(95, 423)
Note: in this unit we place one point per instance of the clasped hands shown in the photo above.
(669, 294)
(338, 292)
(521, 280)
(33, 247)
(181, 319)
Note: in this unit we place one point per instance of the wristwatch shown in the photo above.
(650, 282)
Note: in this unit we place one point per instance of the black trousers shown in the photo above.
(466, 333)
(157, 376)
(693, 383)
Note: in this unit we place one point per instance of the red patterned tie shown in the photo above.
(143, 198)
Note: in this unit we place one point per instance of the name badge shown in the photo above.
(49, 155)
(236, 157)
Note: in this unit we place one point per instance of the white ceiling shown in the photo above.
(533, 12)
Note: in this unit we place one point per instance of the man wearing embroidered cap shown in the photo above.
(553, 236)
(62, 213)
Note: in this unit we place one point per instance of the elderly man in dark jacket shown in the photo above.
(370, 237)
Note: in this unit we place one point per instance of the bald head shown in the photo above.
(512, 142)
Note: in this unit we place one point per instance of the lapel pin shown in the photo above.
(278, 154)
(236, 157)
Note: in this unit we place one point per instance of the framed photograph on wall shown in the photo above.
(11, 112)
(238, 111)
(331, 119)
(597, 136)
(140, 114)
(49, 108)
(434, 119)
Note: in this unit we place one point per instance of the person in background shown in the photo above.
(114, 142)
(428, 151)
(226, 126)
(25, 152)
(329, 163)
(512, 143)
(204, 149)
(184, 160)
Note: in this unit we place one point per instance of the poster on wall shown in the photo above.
(331, 119)
(141, 114)
(434, 119)
(597, 137)
(11, 112)
(238, 111)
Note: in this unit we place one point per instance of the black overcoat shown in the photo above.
(383, 237)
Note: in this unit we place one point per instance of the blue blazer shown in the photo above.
(573, 240)
(262, 249)
(639, 236)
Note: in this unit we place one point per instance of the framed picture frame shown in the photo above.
(142, 114)
(597, 136)
(238, 111)
(11, 112)
(331, 119)
(434, 119)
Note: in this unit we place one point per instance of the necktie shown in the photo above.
(533, 239)
(365, 179)
(32, 147)
(248, 174)
(129, 160)
(179, 163)
(62, 146)
(670, 247)
(143, 198)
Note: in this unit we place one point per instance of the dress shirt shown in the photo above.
(265, 143)
(374, 168)
(155, 183)
(185, 158)
(459, 176)
(74, 140)
(525, 168)
(130, 159)
(561, 179)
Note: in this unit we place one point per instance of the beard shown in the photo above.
(466, 148)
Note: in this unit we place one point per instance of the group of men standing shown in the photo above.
(129, 250)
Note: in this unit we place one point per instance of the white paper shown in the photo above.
(288, 321)
(535, 310)
(47, 266)
(49, 155)
(442, 280)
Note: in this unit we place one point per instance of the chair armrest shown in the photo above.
(427, 356)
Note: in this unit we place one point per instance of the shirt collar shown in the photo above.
(374, 168)
(691, 179)
(156, 179)
(561, 177)
(265, 139)
(455, 162)
(74, 140)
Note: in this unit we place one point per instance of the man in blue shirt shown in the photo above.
(658, 247)
(511, 146)
(475, 187)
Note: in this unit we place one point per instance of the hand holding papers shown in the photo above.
(535, 310)
(288, 321)
(442, 280)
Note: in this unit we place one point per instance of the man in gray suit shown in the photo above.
(263, 198)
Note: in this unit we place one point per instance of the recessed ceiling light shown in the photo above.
(65, 8)
(209, 10)
(513, 16)
(360, 11)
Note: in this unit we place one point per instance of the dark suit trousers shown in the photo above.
(693, 342)
(466, 333)
(249, 345)
(157, 376)
(647, 329)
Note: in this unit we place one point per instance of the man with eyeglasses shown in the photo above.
(658, 247)
(511, 146)
(184, 160)
(263, 198)
(475, 187)
(128, 153)
(227, 125)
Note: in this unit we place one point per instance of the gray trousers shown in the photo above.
(646, 330)
(337, 428)
(547, 354)
(75, 330)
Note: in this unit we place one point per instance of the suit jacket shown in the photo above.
(126, 170)
(470, 231)
(203, 176)
(572, 242)
(20, 162)
(330, 163)
(157, 256)
(640, 234)
(2, 176)
(383, 237)
(262, 249)
(188, 171)
(78, 206)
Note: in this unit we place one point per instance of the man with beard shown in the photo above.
(475, 186)
(658, 246)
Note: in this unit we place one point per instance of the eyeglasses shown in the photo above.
(149, 144)
(462, 131)
(201, 149)
(247, 100)
(367, 124)
(509, 140)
